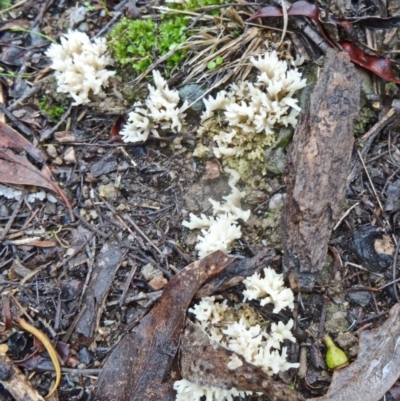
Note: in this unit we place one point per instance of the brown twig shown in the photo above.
(12, 218)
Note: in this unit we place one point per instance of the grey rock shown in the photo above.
(19, 88)
(191, 93)
(83, 27)
(392, 203)
(104, 166)
(78, 15)
(361, 298)
(84, 356)
(4, 212)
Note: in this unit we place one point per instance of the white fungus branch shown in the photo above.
(80, 65)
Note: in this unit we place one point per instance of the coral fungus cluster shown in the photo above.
(80, 65)
(243, 120)
(240, 332)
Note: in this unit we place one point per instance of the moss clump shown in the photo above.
(193, 4)
(53, 111)
(5, 4)
(171, 34)
(364, 120)
(251, 162)
(132, 43)
(137, 43)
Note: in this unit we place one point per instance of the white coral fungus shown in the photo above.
(270, 288)
(257, 345)
(160, 112)
(243, 119)
(80, 65)
(188, 391)
(220, 230)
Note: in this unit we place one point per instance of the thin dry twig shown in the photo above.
(372, 184)
(12, 218)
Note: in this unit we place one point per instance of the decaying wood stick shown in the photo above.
(317, 169)
(15, 382)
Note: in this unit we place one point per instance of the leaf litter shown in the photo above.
(141, 363)
(150, 215)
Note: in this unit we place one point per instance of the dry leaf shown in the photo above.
(376, 369)
(18, 170)
(11, 139)
(139, 368)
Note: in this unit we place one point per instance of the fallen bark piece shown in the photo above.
(317, 169)
(15, 382)
(139, 367)
(376, 369)
(204, 362)
(106, 266)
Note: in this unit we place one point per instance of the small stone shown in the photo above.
(142, 302)
(362, 298)
(52, 151)
(51, 198)
(373, 248)
(58, 161)
(50, 208)
(157, 283)
(72, 362)
(78, 15)
(337, 324)
(104, 166)
(84, 356)
(348, 342)
(121, 207)
(69, 156)
(213, 171)
(64, 136)
(93, 214)
(4, 212)
(70, 252)
(83, 27)
(108, 191)
(85, 191)
(191, 93)
(149, 272)
(276, 202)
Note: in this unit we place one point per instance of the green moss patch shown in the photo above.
(137, 43)
(53, 111)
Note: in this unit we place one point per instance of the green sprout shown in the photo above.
(30, 31)
(14, 75)
(215, 63)
(88, 6)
